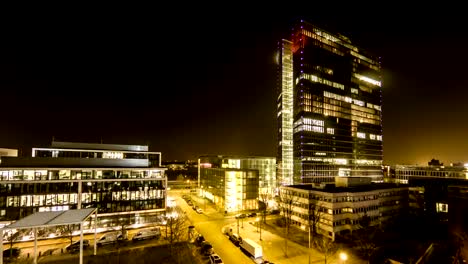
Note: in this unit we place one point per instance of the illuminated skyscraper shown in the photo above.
(329, 108)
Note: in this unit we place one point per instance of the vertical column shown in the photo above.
(35, 246)
(79, 195)
(95, 225)
(1, 246)
(198, 173)
(81, 243)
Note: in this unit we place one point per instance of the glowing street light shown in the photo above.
(343, 256)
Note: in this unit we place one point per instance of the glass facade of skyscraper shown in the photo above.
(336, 109)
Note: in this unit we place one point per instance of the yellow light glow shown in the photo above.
(343, 256)
(367, 79)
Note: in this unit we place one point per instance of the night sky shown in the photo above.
(203, 82)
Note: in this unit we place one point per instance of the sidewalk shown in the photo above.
(274, 249)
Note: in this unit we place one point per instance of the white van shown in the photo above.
(109, 238)
(147, 234)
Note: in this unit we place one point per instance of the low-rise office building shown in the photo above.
(266, 167)
(434, 180)
(337, 209)
(231, 190)
(120, 180)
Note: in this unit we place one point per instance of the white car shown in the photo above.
(215, 259)
(199, 210)
(147, 234)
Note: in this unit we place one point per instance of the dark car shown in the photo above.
(206, 248)
(200, 238)
(236, 239)
(76, 246)
(253, 214)
(11, 252)
(241, 216)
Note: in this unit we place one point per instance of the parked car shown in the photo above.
(109, 238)
(75, 246)
(215, 259)
(147, 234)
(241, 216)
(206, 248)
(11, 253)
(274, 211)
(253, 214)
(235, 238)
(200, 238)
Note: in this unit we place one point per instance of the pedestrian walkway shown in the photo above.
(275, 250)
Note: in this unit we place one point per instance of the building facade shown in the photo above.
(119, 180)
(337, 210)
(266, 167)
(230, 189)
(329, 108)
(435, 181)
(403, 173)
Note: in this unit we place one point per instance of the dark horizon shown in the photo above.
(206, 83)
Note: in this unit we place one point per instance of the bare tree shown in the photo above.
(124, 221)
(68, 231)
(176, 225)
(286, 203)
(366, 236)
(316, 212)
(458, 240)
(12, 236)
(325, 246)
(263, 204)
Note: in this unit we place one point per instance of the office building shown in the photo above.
(404, 173)
(230, 189)
(266, 167)
(434, 181)
(119, 180)
(329, 108)
(338, 208)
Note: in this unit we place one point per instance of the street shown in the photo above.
(211, 223)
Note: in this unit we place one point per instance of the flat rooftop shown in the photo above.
(98, 146)
(331, 188)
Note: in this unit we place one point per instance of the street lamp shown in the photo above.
(259, 227)
(303, 228)
(343, 257)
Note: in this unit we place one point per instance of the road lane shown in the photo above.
(210, 224)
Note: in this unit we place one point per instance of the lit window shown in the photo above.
(330, 130)
(317, 129)
(442, 208)
(372, 136)
(379, 137)
(361, 135)
(354, 90)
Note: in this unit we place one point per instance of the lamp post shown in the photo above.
(303, 228)
(204, 200)
(190, 189)
(259, 227)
